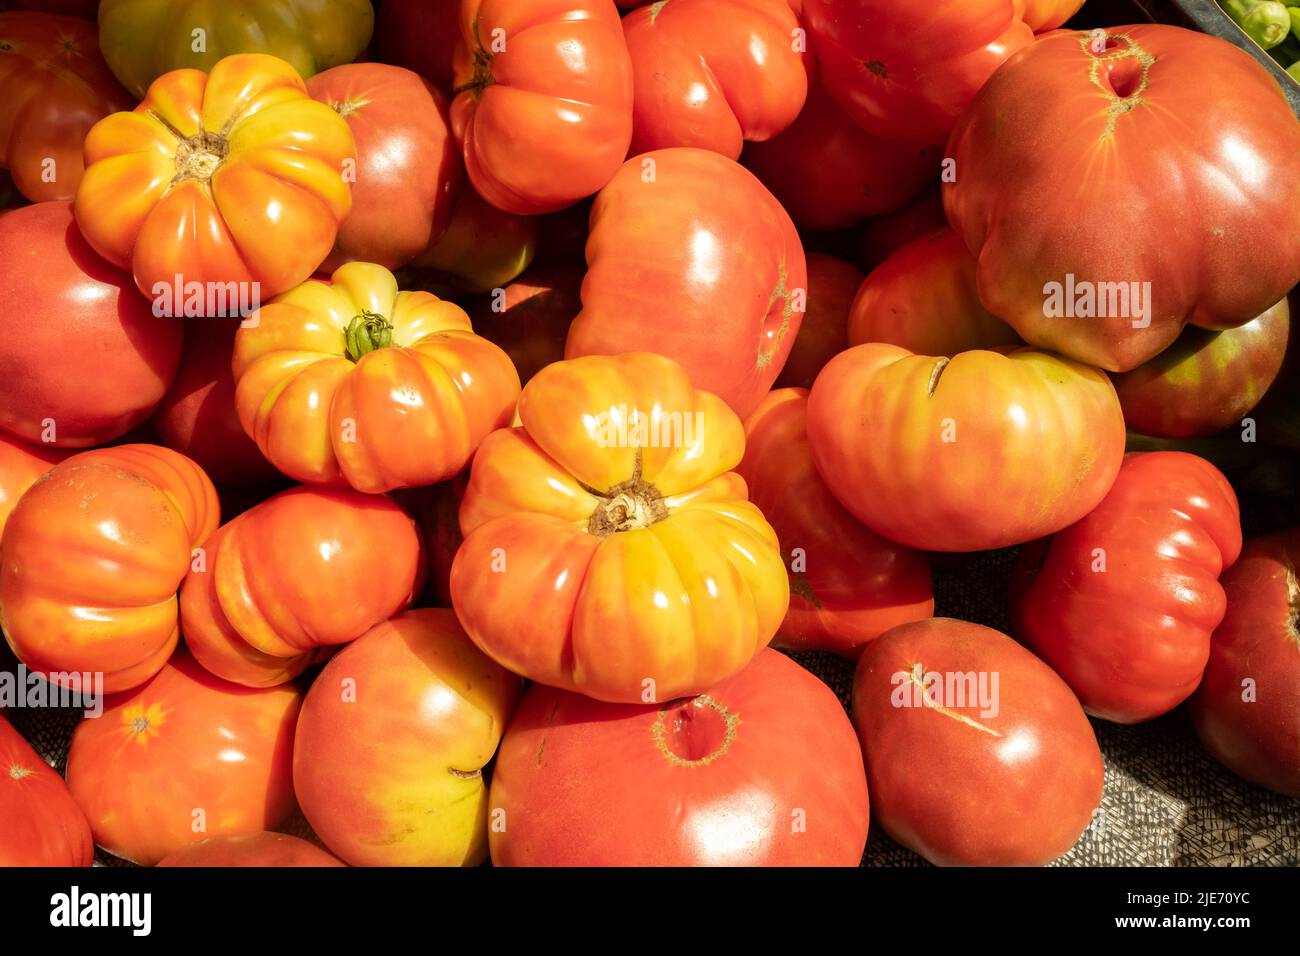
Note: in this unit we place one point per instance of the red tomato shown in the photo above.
(530, 317)
(829, 173)
(713, 73)
(1122, 603)
(923, 298)
(439, 706)
(1111, 123)
(1043, 15)
(543, 110)
(407, 169)
(251, 849)
(437, 512)
(908, 70)
(20, 465)
(823, 334)
(883, 235)
(86, 359)
(848, 585)
(181, 758)
(86, 9)
(692, 228)
(977, 754)
(762, 770)
(43, 826)
(1247, 709)
(482, 249)
(420, 35)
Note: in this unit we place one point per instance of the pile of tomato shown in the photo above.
(431, 416)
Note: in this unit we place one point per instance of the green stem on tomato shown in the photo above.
(366, 333)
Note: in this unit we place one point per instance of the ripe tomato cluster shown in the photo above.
(435, 414)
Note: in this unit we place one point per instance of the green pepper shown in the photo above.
(1267, 22)
(1294, 70)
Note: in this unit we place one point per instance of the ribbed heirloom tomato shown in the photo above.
(251, 849)
(609, 548)
(93, 555)
(21, 465)
(43, 826)
(351, 382)
(233, 176)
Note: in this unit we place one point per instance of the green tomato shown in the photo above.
(1267, 22)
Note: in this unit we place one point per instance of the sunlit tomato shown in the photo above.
(1116, 287)
(1122, 603)
(408, 169)
(1206, 381)
(85, 359)
(543, 110)
(1247, 709)
(714, 73)
(482, 249)
(20, 465)
(43, 826)
(251, 849)
(908, 70)
(691, 228)
(978, 451)
(881, 236)
(1042, 15)
(305, 569)
(823, 334)
(609, 548)
(530, 317)
(54, 86)
(923, 298)
(977, 754)
(143, 39)
(439, 706)
(93, 556)
(351, 382)
(848, 585)
(420, 35)
(236, 176)
(762, 770)
(184, 757)
(829, 173)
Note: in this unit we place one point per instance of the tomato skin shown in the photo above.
(912, 444)
(21, 465)
(713, 73)
(420, 35)
(881, 236)
(85, 9)
(545, 117)
(43, 826)
(1257, 737)
(85, 350)
(251, 849)
(829, 173)
(1206, 381)
(823, 333)
(711, 781)
(419, 799)
(1011, 172)
(923, 298)
(437, 512)
(705, 235)
(1133, 640)
(633, 563)
(1041, 15)
(183, 741)
(408, 170)
(94, 555)
(259, 202)
(483, 249)
(961, 786)
(531, 317)
(855, 585)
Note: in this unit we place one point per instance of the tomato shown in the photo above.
(54, 86)
(530, 317)
(1122, 603)
(713, 73)
(437, 512)
(86, 360)
(420, 35)
(86, 9)
(908, 70)
(915, 446)
(691, 228)
(181, 758)
(21, 465)
(883, 235)
(93, 556)
(197, 416)
(848, 585)
(482, 249)
(829, 173)
(977, 754)
(351, 382)
(1206, 381)
(609, 548)
(727, 778)
(305, 569)
(1247, 709)
(543, 108)
(408, 169)
(439, 706)
(143, 39)
(233, 177)
(923, 298)
(251, 849)
(1111, 123)
(823, 334)
(43, 826)
(1042, 15)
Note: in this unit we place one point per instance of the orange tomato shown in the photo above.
(20, 465)
(1040, 15)
(43, 826)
